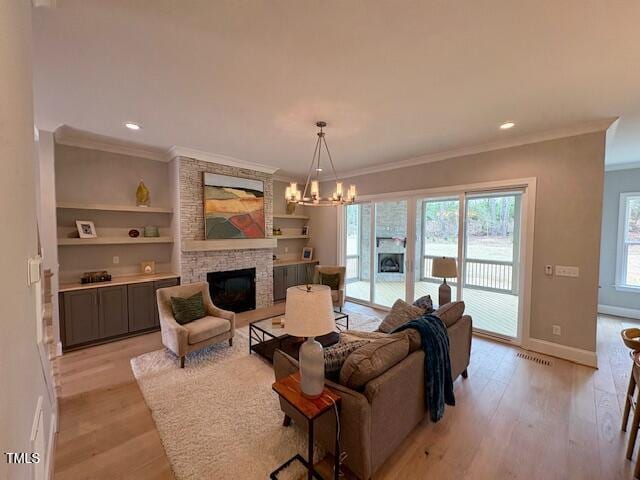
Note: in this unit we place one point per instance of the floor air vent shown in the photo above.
(533, 358)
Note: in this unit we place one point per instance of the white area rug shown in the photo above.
(218, 418)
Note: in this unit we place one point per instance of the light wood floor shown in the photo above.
(514, 418)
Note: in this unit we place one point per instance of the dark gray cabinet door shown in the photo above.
(279, 289)
(112, 311)
(290, 276)
(303, 274)
(142, 312)
(170, 282)
(80, 316)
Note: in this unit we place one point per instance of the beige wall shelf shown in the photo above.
(112, 208)
(290, 237)
(290, 217)
(112, 241)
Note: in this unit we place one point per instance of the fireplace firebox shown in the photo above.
(233, 290)
(390, 262)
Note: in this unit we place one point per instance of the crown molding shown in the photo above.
(177, 151)
(590, 127)
(621, 166)
(72, 137)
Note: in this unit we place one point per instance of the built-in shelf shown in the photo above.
(231, 244)
(112, 208)
(118, 280)
(292, 217)
(290, 237)
(113, 241)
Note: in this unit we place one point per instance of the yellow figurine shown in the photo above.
(142, 195)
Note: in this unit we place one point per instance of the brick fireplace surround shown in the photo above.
(194, 266)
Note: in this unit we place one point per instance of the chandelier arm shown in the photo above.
(335, 175)
(313, 161)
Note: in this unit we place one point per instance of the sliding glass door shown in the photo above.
(390, 245)
(437, 227)
(491, 262)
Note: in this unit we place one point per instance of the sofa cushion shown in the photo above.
(188, 309)
(332, 280)
(206, 328)
(372, 360)
(400, 313)
(450, 313)
(335, 355)
(415, 340)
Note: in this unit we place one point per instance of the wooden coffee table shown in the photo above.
(265, 338)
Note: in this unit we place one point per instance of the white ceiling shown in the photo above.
(394, 79)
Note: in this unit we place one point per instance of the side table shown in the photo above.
(288, 388)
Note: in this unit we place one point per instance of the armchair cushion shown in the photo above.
(332, 280)
(186, 310)
(205, 328)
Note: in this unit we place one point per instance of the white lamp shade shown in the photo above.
(444, 268)
(309, 313)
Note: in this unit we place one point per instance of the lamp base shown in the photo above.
(311, 359)
(444, 294)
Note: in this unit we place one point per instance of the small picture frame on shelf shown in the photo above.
(307, 253)
(148, 267)
(305, 230)
(86, 229)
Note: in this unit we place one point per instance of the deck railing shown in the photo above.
(491, 275)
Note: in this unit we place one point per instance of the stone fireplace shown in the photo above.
(196, 265)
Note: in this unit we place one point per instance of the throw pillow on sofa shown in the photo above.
(372, 360)
(425, 303)
(449, 313)
(335, 355)
(400, 313)
(186, 310)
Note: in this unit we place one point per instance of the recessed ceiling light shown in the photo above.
(132, 126)
(318, 169)
(507, 125)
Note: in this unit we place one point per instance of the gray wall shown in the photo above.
(21, 373)
(615, 183)
(570, 173)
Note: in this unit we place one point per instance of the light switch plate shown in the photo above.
(567, 271)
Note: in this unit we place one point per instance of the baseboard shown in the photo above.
(619, 311)
(59, 349)
(576, 355)
(51, 448)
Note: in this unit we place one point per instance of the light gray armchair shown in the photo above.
(216, 327)
(337, 296)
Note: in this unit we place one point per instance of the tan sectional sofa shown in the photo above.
(376, 418)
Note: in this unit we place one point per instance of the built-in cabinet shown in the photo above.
(289, 275)
(95, 315)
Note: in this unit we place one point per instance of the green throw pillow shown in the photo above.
(186, 310)
(332, 280)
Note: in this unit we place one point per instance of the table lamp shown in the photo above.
(444, 268)
(309, 313)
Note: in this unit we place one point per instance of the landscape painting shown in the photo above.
(233, 207)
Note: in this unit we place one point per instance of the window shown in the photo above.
(628, 261)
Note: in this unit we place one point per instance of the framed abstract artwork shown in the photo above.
(233, 207)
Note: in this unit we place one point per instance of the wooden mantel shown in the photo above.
(230, 244)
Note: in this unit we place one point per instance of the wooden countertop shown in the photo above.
(120, 280)
(280, 263)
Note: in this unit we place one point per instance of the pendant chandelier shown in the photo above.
(311, 194)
